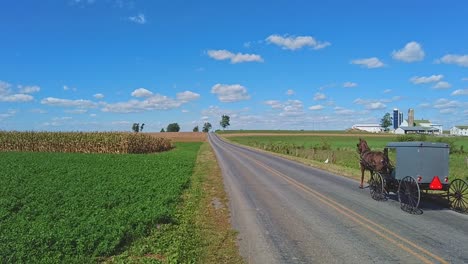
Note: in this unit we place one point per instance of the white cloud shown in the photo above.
(370, 63)
(344, 111)
(429, 79)
(4, 88)
(375, 106)
(448, 111)
(386, 91)
(371, 104)
(80, 103)
(150, 102)
(290, 92)
(235, 58)
(98, 96)
(319, 96)
(120, 122)
(187, 96)
(38, 111)
(294, 43)
(92, 115)
(142, 92)
(139, 19)
(76, 111)
(29, 89)
(410, 53)
(274, 104)
(460, 92)
(67, 88)
(460, 60)
(8, 114)
(316, 107)
(465, 79)
(445, 103)
(288, 108)
(349, 84)
(292, 108)
(12, 98)
(442, 85)
(230, 93)
(7, 95)
(155, 102)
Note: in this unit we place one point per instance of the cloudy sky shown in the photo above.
(105, 64)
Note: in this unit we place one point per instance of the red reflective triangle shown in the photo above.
(435, 184)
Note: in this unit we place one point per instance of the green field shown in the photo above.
(341, 150)
(73, 207)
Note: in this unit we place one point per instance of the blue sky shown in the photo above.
(105, 64)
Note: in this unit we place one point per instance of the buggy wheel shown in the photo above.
(409, 194)
(458, 195)
(376, 186)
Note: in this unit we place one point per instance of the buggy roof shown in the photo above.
(414, 144)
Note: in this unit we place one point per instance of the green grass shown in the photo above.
(201, 233)
(77, 208)
(285, 131)
(341, 150)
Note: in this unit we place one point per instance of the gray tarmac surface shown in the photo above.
(287, 212)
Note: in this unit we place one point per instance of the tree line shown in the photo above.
(174, 127)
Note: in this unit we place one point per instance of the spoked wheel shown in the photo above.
(409, 194)
(458, 195)
(376, 186)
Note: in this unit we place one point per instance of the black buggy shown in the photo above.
(419, 166)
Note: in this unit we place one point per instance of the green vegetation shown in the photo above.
(386, 121)
(201, 232)
(341, 150)
(289, 132)
(81, 208)
(82, 142)
(173, 127)
(207, 127)
(224, 121)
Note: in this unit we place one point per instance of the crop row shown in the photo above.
(83, 208)
(82, 142)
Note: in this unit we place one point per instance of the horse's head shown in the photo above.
(362, 145)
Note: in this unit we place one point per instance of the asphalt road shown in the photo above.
(287, 212)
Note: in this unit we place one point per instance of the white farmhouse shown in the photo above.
(459, 131)
(373, 128)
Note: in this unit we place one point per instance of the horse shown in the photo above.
(372, 160)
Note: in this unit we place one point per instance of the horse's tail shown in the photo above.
(386, 162)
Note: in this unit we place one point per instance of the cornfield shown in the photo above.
(82, 142)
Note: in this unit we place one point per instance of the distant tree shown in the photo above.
(386, 121)
(141, 127)
(224, 121)
(162, 130)
(174, 127)
(195, 129)
(136, 127)
(206, 127)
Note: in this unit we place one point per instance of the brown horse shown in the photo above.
(372, 160)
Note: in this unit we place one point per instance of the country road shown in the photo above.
(286, 212)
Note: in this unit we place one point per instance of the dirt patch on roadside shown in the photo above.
(182, 136)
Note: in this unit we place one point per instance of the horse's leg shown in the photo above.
(362, 177)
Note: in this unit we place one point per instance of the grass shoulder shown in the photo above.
(201, 233)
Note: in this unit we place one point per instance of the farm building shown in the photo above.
(417, 130)
(459, 131)
(373, 128)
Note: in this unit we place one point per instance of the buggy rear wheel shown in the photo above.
(376, 186)
(409, 194)
(458, 195)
